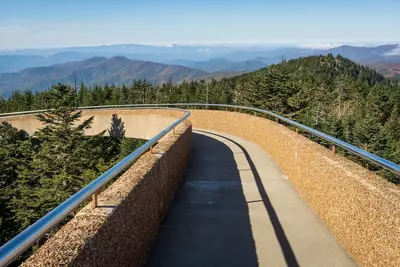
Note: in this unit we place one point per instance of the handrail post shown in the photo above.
(333, 148)
(94, 199)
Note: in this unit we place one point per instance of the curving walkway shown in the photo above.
(236, 208)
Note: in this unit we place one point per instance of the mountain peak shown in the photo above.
(119, 58)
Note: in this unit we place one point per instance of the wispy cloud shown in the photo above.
(394, 52)
(319, 45)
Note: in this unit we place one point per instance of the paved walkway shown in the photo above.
(236, 208)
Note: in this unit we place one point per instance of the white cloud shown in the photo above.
(394, 52)
(319, 45)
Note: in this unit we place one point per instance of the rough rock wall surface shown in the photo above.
(361, 209)
(120, 231)
(139, 123)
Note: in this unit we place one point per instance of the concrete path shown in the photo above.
(236, 208)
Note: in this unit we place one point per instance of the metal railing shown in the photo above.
(24, 240)
(389, 165)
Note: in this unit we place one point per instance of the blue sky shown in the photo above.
(53, 23)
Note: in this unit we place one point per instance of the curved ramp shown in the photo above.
(360, 208)
(236, 208)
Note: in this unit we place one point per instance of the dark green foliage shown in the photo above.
(116, 134)
(128, 145)
(117, 146)
(117, 128)
(11, 159)
(57, 167)
(40, 172)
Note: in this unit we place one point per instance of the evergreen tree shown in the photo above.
(56, 169)
(116, 133)
(11, 159)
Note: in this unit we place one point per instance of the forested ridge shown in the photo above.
(332, 94)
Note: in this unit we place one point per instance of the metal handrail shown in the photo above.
(24, 240)
(389, 165)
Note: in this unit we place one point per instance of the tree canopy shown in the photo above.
(39, 172)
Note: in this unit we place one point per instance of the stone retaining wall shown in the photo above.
(361, 209)
(121, 230)
(139, 123)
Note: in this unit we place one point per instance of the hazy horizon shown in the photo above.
(271, 46)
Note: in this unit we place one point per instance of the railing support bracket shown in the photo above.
(94, 199)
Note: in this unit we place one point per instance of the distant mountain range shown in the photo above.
(207, 58)
(14, 63)
(97, 70)
(221, 64)
(368, 54)
(37, 69)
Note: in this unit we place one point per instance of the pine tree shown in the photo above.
(11, 158)
(112, 144)
(392, 132)
(84, 96)
(128, 145)
(56, 169)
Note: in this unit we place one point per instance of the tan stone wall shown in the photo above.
(120, 231)
(28, 123)
(139, 123)
(361, 209)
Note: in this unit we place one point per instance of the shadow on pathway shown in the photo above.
(208, 223)
(287, 250)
